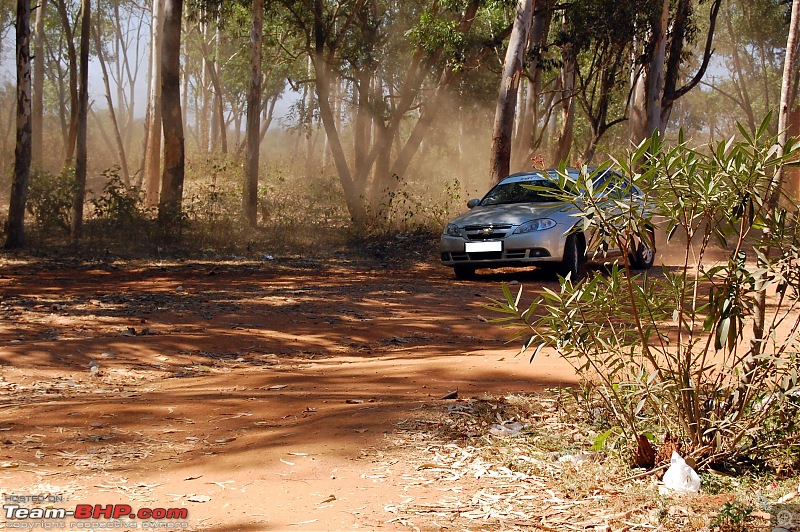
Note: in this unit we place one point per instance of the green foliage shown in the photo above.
(732, 517)
(119, 205)
(669, 352)
(432, 33)
(50, 198)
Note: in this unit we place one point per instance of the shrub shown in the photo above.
(119, 205)
(50, 198)
(671, 353)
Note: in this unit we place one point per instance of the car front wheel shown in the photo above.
(574, 259)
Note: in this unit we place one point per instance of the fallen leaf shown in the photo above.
(199, 498)
(286, 462)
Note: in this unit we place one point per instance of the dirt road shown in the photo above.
(262, 395)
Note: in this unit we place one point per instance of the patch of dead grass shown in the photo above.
(548, 477)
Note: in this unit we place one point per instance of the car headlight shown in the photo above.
(535, 225)
(452, 230)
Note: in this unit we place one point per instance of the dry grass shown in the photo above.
(548, 477)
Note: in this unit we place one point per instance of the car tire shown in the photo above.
(573, 263)
(463, 271)
(644, 254)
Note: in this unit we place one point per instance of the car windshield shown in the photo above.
(515, 192)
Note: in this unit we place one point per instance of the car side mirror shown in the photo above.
(471, 204)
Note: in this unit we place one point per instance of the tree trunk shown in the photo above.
(250, 200)
(678, 31)
(38, 85)
(15, 230)
(219, 137)
(648, 90)
(152, 165)
(169, 207)
(789, 69)
(121, 155)
(355, 203)
(72, 56)
(76, 222)
(500, 159)
(566, 135)
(203, 122)
(530, 137)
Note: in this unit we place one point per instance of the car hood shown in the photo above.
(512, 213)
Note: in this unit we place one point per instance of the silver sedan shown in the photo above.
(514, 225)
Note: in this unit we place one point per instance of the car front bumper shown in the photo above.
(514, 250)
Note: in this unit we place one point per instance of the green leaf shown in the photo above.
(600, 442)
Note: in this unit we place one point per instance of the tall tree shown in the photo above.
(253, 137)
(120, 144)
(169, 207)
(509, 87)
(72, 57)
(427, 52)
(790, 69)
(566, 82)
(530, 133)
(15, 234)
(38, 83)
(655, 87)
(774, 192)
(76, 219)
(648, 87)
(152, 164)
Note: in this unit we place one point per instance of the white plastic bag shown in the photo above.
(680, 476)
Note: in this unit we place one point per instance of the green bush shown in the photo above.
(50, 198)
(672, 352)
(119, 205)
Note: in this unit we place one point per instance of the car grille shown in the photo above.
(496, 255)
(486, 232)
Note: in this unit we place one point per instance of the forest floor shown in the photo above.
(285, 394)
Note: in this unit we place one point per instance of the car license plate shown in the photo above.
(476, 247)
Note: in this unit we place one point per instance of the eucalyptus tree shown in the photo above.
(509, 88)
(250, 196)
(658, 74)
(152, 156)
(67, 22)
(81, 155)
(603, 32)
(15, 231)
(171, 198)
(38, 83)
(537, 106)
(399, 62)
(118, 32)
